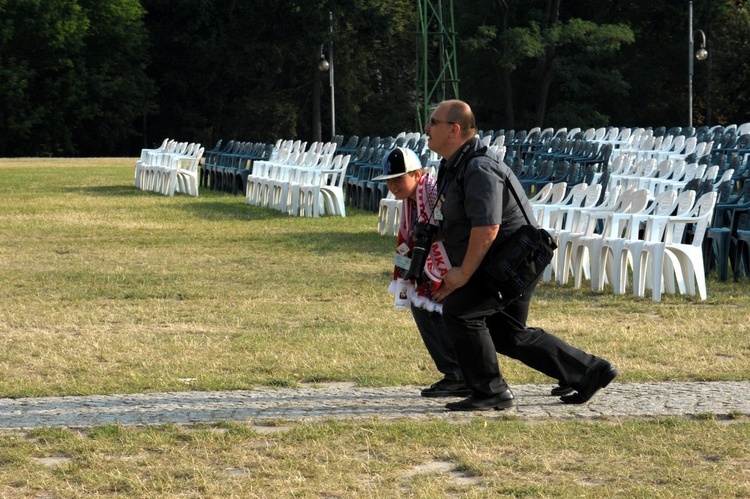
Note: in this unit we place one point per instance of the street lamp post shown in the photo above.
(323, 66)
(700, 54)
(320, 67)
(330, 77)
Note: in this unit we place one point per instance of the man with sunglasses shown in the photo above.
(475, 211)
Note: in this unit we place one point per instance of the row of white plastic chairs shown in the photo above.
(659, 176)
(300, 182)
(630, 235)
(643, 145)
(170, 168)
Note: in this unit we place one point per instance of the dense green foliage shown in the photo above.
(85, 77)
(73, 75)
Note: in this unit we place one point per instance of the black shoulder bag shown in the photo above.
(517, 263)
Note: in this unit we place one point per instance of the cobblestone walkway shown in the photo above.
(344, 401)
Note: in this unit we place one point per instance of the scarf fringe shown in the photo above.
(415, 298)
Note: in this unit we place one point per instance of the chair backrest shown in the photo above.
(684, 203)
(693, 170)
(543, 194)
(678, 169)
(690, 144)
(610, 197)
(628, 197)
(701, 214)
(520, 137)
(664, 203)
(664, 168)
(558, 192)
(591, 195)
(576, 195)
(624, 134)
(669, 142)
(560, 170)
(335, 177)
(679, 143)
(711, 173)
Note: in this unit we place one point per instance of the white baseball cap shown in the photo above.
(399, 162)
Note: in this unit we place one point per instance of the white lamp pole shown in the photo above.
(330, 77)
(690, 63)
(701, 54)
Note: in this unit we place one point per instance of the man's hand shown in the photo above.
(479, 242)
(455, 278)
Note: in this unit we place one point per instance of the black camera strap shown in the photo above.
(448, 174)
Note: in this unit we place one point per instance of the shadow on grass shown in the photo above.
(109, 191)
(231, 209)
(328, 234)
(322, 235)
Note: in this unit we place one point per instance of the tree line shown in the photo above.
(107, 77)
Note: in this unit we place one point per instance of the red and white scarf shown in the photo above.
(437, 264)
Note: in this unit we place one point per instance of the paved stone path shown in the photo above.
(345, 401)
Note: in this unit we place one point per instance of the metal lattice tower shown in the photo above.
(437, 70)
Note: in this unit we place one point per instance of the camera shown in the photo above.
(423, 235)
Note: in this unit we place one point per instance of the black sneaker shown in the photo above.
(447, 388)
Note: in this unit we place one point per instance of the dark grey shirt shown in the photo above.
(477, 196)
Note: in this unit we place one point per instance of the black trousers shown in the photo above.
(438, 342)
(481, 325)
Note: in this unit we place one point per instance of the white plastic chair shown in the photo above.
(567, 220)
(187, 174)
(389, 215)
(563, 257)
(332, 190)
(144, 160)
(325, 194)
(168, 173)
(586, 248)
(546, 214)
(671, 259)
(556, 194)
(615, 251)
(653, 233)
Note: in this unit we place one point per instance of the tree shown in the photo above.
(39, 47)
(117, 92)
(552, 68)
(728, 66)
(244, 71)
(72, 75)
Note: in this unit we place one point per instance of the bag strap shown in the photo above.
(520, 204)
(482, 152)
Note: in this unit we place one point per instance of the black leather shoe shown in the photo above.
(499, 402)
(561, 389)
(447, 388)
(593, 382)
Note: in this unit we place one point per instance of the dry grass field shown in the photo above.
(108, 289)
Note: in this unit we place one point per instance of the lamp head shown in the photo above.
(701, 54)
(323, 65)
